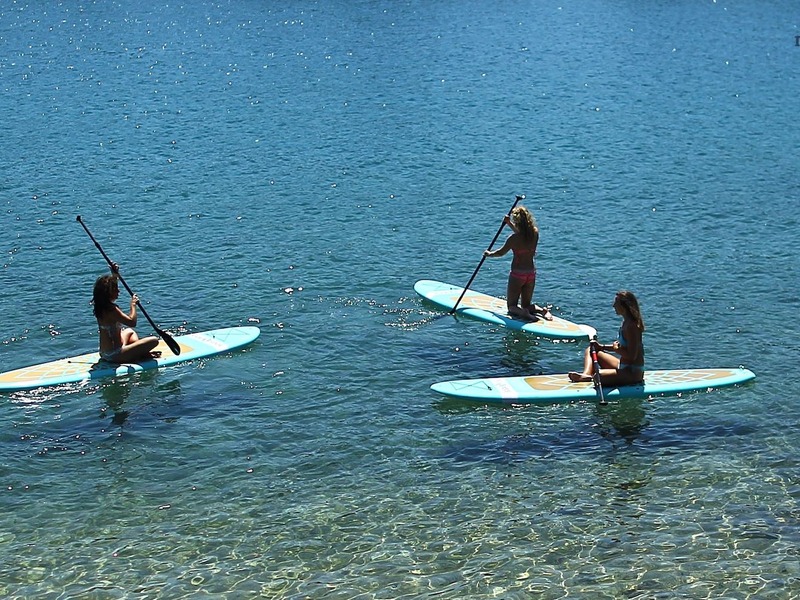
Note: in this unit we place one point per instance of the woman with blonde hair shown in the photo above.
(522, 278)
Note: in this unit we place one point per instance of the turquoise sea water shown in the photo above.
(299, 166)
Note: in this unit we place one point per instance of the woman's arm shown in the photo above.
(507, 220)
(500, 251)
(131, 318)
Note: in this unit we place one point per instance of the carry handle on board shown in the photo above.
(598, 384)
(483, 257)
(168, 339)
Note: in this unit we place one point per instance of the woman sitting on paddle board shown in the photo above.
(628, 367)
(118, 341)
(522, 278)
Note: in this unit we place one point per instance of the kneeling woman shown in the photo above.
(522, 279)
(118, 341)
(626, 365)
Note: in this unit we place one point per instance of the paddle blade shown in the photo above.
(169, 341)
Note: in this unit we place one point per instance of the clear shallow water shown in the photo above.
(299, 169)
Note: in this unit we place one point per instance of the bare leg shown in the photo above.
(526, 294)
(526, 299)
(515, 289)
(141, 349)
(621, 377)
(609, 366)
(541, 311)
(586, 374)
(521, 313)
(129, 336)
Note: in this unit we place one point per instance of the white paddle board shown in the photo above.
(90, 366)
(547, 389)
(494, 310)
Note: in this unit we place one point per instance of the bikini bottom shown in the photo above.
(111, 355)
(524, 276)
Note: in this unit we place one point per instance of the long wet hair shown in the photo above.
(525, 223)
(105, 288)
(631, 305)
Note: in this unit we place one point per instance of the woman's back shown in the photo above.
(524, 250)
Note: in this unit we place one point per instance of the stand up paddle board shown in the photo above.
(494, 310)
(90, 366)
(547, 389)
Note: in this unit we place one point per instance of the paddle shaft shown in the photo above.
(483, 258)
(173, 345)
(596, 368)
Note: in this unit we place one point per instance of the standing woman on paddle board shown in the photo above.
(522, 278)
(626, 365)
(119, 343)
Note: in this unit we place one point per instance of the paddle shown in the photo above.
(596, 368)
(173, 345)
(483, 257)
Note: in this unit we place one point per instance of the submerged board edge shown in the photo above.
(89, 366)
(556, 388)
(492, 309)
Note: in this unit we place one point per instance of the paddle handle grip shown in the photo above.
(108, 260)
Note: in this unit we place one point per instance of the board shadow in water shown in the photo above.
(462, 358)
(623, 427)
(127, 405)
(152, 407)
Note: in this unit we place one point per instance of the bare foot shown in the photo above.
(542, 311)
(576, 377)
(523, 315)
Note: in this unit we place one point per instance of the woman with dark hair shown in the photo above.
(118, 341)
(621, 362)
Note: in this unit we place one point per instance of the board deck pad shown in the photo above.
(547, 389)
(90, 366)
(494, 310)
